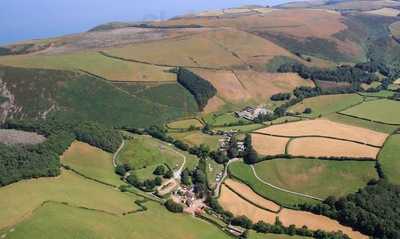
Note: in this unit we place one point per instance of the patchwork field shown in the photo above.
(144, 151)
(185, 124)
(389, 158)
(244, 173)
(326, 128)
(386, 111)
(269, 145)
(323, 147)
(91, 162)
(19, 200)
(239, 206)
(95, 63)
(13, 137)
(196, 138)
(60, 221)
(314, 177)
(327, 104)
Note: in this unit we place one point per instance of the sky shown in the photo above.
(35, 19)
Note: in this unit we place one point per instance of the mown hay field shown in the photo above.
(244, 173)
(95, 63)
(144, 151)
(390, 160)
(326, 128)
(91, 162)
(386, 111)
(239, 206)
(196, 138)
(314, 177)
(18, 200)
(61, 221)
(269, 145)
(327, 104)
(185, 124)
(323, 147)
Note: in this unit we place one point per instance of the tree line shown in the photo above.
(42, 160)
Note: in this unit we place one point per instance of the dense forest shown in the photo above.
(201, 89)
(41, 160)
(373, 210)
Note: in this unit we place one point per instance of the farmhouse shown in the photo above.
(251, 113)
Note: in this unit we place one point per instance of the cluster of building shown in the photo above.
(224, 141)
(251, 113)
(185, 195)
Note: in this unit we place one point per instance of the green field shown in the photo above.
(91, 162)
(75, 96)
(255, 235)
(390, 160)
(19, 199)
(95, 63)
(326, 104)
(383, 93)
(185, 124)
(64, 222)
(386, 111)
(315, 177)
(196, 138)
(243, 172)
(144, 151)
(224, 119)
(212, 169)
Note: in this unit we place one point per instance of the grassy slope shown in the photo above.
(314, 177)
(244, 173)
(93, 62)
(390, 160)
(87, 98)
(19, 199)
(185, 124)
(92, 162)
(387, 111)
(212, 170)
(327, 104)
(60, 221)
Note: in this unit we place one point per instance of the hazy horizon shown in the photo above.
(26, 19)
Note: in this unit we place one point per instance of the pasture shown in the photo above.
(243, 173)
(326, 128)
(239, 206)
(60, 221)
(19, 200)
(323, 147)
(326, 104)
(212, 170)
(95, 63)
(385, 111)
(196, 138)
(314, 177)
(185, 124)
(91, 162)
(144, 151)
(269, 145)
(223, 119)
(389, 159)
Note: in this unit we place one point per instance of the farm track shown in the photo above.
(282, 189)
(217, 189)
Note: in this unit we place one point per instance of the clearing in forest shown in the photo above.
(18, 137)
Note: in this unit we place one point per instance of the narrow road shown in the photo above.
(218, 187)
(282, 189)
(114, 159)
(177, 173)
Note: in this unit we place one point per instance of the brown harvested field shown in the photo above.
(327, 128)
(395, 29)
(245, 191)
(269, 145)
(243, 85)
(238, 206)
(323, 147)
(13, 137)
(387, 12)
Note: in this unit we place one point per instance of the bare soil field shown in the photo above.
(326, 128)
(245, 191)
(387, 12)
(17, 137)
(323, 147)
(238, 206)
(269, 145)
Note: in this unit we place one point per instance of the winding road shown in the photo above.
(218, 187)
(114, 159)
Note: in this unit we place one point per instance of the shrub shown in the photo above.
(173, 206)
